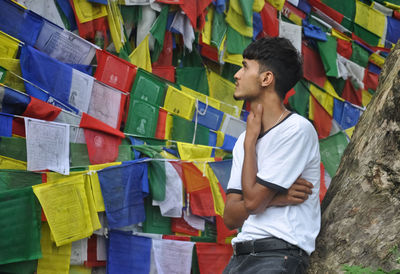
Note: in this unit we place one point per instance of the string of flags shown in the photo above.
(117, 121)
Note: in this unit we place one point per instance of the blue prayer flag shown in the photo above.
(6, 124)
(13, 102)
(312, 31)
(345, 114)
(222, 169)
(124, 188)
(47, 73)
(104, 2)
(393, 29)
(257, 24)
(128, 253)
(229, 142)
(66, 8)
(20, 23)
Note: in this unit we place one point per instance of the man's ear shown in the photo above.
(267, 77)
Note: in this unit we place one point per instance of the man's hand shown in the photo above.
(253, 127)
(296, 194)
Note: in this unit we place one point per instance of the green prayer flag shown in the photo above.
(19, 226)
(331, 149)
(366, 35)
(13, 147)
(158, 32)
(229, 70)
(183, 130)
(328, 53)
(338, 84)
(155, 222)
(3, 72)
(125, 153)
(156, 171)
(345, 7)
(218, 29)
(131, 14)
(194, 78)
(123, 54)
(315, 22)
(300, 100)
(16, 179)
(359, 55)
(24, 267)
(235, 42)
(247, 9)
(191, 58)
(79, 156)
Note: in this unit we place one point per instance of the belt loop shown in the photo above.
(253, 252)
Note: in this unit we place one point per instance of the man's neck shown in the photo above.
(273, 110)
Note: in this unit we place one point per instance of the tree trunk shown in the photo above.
(361, 210)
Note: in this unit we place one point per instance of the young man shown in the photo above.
(273, 191)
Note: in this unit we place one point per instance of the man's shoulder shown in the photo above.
(299, 124)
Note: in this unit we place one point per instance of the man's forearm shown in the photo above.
(235, 214)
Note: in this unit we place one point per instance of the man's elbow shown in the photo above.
(229, 222)
(253, 207)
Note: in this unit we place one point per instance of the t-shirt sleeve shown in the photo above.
(235, 180)
(284, 161)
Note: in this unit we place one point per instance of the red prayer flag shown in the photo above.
(313, 68)
(322, 187)
(212, 257)
(335, 15)
(160, 130)
(102, 147)
(344, 48)
(37, 109)
(165, 58)
(189, 7)
(289, 94)
(92, 253)
(222, 231)
(166, 72)
(370, 80)
(269, 20)
(352, 95)
(114, 71)
(89, 122)
(322, 120)
(179, 225)
(202, 202)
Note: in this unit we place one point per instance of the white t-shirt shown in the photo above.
(284, 152)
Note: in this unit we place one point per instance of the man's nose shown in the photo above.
(237, 74)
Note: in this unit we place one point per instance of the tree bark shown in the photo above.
(361, 210)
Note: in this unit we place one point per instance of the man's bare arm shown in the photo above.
(235, 212)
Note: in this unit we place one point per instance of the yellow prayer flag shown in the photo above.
(168, 126)
(66, 208)
(392, 6)
(278, 4)
(223, 90)
(87, 11)
(370, 18)
(95, 184)
(79, 269)
(220, 138)
(258, 5)
(311, 108)
(206, 32)
(377, 59)
(55, 259)
(8, 45)
(179, 103)
(189, 151)
(350, 131)
(201, 97)
(13, 67)
(54, 176)
(116, 25)
(10, 163)
(236, 21)
(331, 90)
(140, 57)
(366, 97)
(295, 19)
(339, 35)
(219, 204)
(325, 99)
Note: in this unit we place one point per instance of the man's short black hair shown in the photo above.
(280, 57)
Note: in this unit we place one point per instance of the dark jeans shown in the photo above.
(269, 261)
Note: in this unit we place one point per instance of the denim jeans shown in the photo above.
(268, 262)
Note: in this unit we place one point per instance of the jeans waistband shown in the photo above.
(265, 244)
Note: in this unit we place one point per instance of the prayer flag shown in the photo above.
(20, 23)
(158, 31)
(9, 46)
(155, 223)
(269, 20)
(167, 252)
(332, 149)
(346, 114)
(6, 121)
(65, 205)
(87, 11)
(9, 163)
(328, 52)
(222, 169)
(123, 188)
(322, 120)
(128, 253)
(19, 225)
(237, 22)
(313, 68)
(213, 257)
(64, 45)
(55, 259)
(140, 57)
